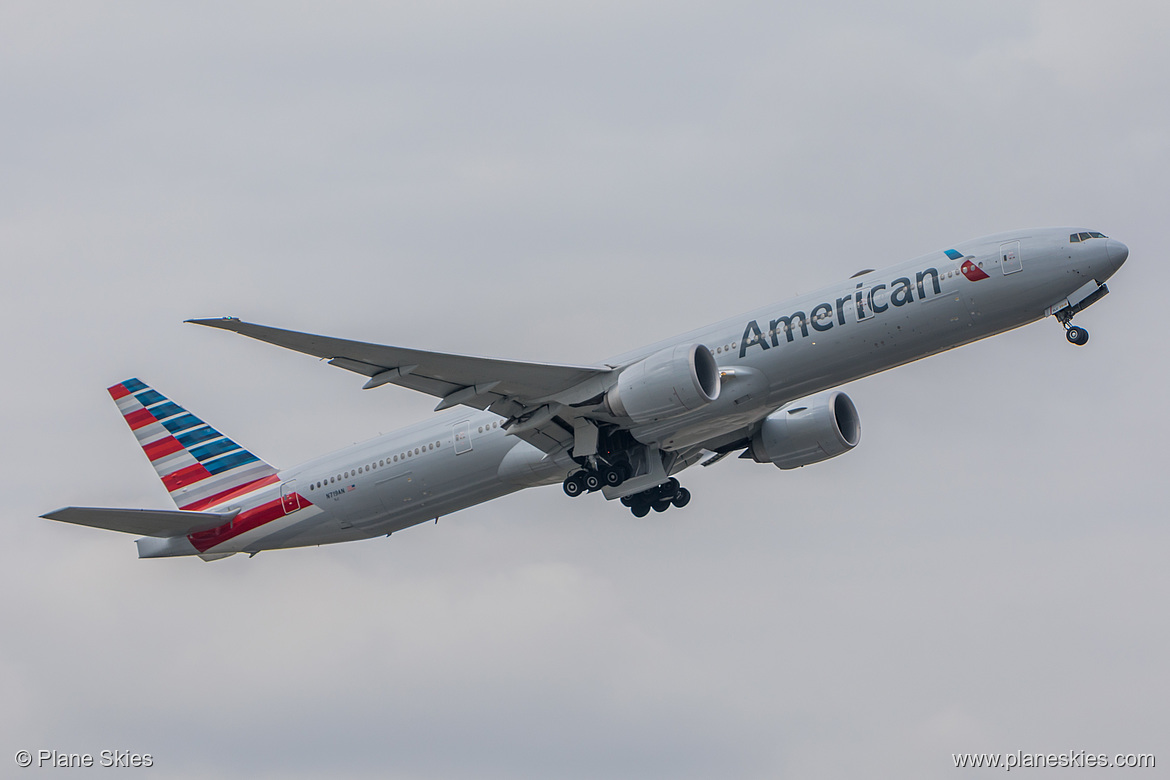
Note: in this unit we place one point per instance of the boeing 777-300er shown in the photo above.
(760, 384)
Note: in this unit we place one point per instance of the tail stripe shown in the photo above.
(217, 447)
(220, 465)
(198, 436)
(181, 423)
(200, 502)
(149, 397)
(185, 476)
(198, 494)
(162, 448)
(197, 464)
(165, 410)
(139, 418)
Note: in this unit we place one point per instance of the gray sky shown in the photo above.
(563, 182)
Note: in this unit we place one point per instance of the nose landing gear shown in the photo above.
(1076, 335)
(1086, 296)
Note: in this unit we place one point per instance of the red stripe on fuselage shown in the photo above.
(118, 391)
(162, 448)
(139, 418)
(187, 476)
(242, 523)
(231, 493)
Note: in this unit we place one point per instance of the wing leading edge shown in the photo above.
(531, 393)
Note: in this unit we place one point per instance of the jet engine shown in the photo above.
(666, 384)
(808, 431)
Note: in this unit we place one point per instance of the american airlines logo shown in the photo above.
(865, 303)
(969, 269)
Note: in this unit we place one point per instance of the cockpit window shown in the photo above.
(1078, 237)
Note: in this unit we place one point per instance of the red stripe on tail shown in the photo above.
(139, 418)
(162, 448)
(230, 493)
(187, 476)
(242, 523)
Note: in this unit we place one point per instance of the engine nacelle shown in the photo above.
(666, 384)
(808, 431)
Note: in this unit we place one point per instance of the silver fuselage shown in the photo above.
(767, 357)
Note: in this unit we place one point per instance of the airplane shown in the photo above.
(761, 384)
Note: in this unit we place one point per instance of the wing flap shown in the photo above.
(142, 522)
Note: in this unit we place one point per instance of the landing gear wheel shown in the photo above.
(592, 481)
(640, 509)
(661, 505)
(1077, 335)
(681, 498)
(614, 476)
(574, 485)
(626, 501)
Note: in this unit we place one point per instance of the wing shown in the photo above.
(531, 395)
(143, 522)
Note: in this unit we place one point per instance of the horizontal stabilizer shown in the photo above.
(143, 522)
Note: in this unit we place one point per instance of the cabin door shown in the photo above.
(1009, 257)
(289, 500)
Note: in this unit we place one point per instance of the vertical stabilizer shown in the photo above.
(199, 465)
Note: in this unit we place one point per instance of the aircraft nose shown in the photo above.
(1118, 252)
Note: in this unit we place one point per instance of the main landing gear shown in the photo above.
(659, 498)
(590, 480)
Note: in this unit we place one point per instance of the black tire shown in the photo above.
(573, 485)
(681, 498)
(640, 509)
(626, 501)
(1077, 335)
(592, 481)
(613, 476)
(660, 505)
